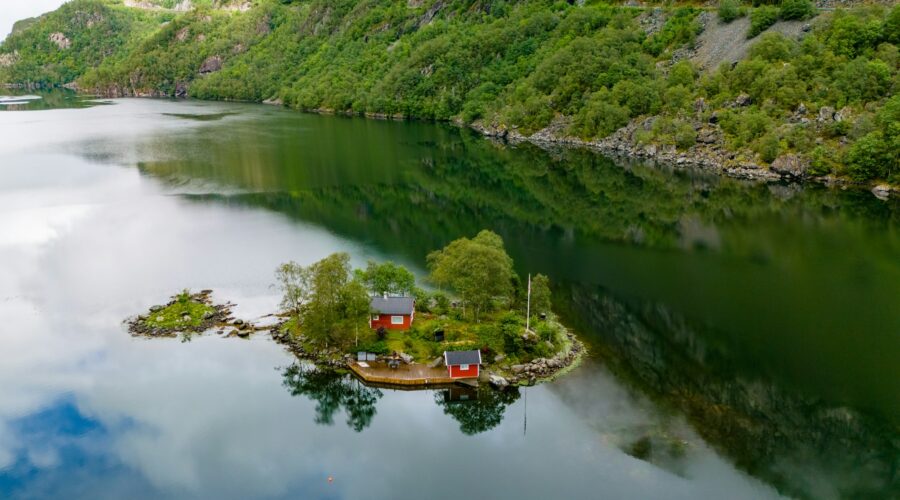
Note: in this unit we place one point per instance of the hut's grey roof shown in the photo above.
(462, 357)
(392, 305)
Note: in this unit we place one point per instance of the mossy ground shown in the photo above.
(186, 315)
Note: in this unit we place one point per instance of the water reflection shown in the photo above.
(332, 392)
(792, 440)
(696, 297)
(13, 99)
(477, 410)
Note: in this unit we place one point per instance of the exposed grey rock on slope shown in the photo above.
(727, 43)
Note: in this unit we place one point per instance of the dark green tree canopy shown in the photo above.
(387, 277)
(479, 270)
(481, 414)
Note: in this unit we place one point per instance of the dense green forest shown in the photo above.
(825, 99)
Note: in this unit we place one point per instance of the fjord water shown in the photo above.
(744, 338)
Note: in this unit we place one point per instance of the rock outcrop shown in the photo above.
(60, 40)
(211, 65)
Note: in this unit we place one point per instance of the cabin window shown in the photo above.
(463, 367)
(375, 317)
(396, 320)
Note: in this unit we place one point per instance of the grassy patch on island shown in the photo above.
(185, 312)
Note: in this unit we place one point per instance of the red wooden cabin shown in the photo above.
(392, 313)
(463, 364)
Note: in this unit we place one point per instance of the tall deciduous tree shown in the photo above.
(330, 305)
(356, 307)
(323, 313)
(387, 277)
(540, 294)
(478, 270)
(295, 283)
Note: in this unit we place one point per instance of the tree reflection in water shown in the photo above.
(332, 391)
(476, 410)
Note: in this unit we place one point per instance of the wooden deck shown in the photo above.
(416, 374)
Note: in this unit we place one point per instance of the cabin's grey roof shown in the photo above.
(392, 305)
(462, 357)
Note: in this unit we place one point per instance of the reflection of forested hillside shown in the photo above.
(783, 436)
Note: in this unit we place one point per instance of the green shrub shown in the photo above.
(851, 35)
(768, 147)
(892, 26)
(379, 347)
(440, 303)
(772, 47)
(676, 132)
(863, 80)
(870, 158)
(822, 161)
(680, 28)
(744, 127)
(681, 73)
(797, 9)
(761, 18)
(729, 10)
(600, 116)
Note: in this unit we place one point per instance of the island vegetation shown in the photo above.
(480, 303)
(820, 103)
(185, 314)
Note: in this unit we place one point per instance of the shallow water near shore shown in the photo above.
(744, 338)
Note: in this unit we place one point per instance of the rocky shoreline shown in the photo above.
(219, 319)
(331, 358)
(541, 369)
(707, 154)
(138, 325)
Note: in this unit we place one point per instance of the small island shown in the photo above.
(185, 314)
(479, 322)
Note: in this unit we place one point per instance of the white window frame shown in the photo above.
(464, 368)
(396, 320)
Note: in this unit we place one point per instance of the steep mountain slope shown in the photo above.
(817, 102)
(57, 48)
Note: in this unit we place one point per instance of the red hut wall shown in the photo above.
(385, 321)
(456, 371)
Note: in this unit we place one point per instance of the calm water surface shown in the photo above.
(745, 339)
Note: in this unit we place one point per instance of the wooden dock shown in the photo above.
(418, 375)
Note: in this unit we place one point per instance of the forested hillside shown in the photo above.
(819, 101)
